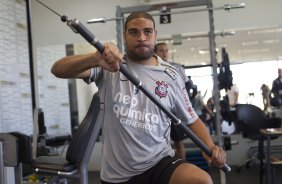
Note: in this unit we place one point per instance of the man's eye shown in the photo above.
(148, 32)
(132, 33)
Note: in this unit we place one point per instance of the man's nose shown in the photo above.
(142, 37)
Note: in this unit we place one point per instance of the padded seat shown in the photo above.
(53, 164)
(75, 164)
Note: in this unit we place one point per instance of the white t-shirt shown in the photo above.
(233, 95)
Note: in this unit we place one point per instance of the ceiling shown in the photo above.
(247, 45)
(242, 45)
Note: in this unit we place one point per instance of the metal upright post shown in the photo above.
(215, 81)
(119, 29)
(214, 68)
(1, 163)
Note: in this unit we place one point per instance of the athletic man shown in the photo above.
(136, 141)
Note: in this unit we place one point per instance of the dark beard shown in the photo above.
(139, 57)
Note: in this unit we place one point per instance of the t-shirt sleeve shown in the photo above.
(183, 74)
(95, 74)
(183, 107)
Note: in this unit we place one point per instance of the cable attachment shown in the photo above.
(64, 18)
(71, 24)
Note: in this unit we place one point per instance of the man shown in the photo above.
(265, 92)
(136, 142)
(233, 95)
(177, 134)
(276, 90)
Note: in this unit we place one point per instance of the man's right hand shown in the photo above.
(110, 58)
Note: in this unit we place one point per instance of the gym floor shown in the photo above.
(247, 175)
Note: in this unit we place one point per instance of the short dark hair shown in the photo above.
(136, 15)
(158, 44)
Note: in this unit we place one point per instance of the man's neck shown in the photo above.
(151, 61)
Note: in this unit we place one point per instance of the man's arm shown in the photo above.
(199, 128)
(218, 155)
(78, 66)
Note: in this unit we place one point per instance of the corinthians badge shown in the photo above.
(161, 89)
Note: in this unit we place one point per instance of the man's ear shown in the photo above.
(156, 34)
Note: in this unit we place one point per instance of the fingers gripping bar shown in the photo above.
(85, 33)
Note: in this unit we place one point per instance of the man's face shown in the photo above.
(162, 51)
(140, 38)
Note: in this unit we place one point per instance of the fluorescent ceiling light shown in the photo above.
(270, 41)
(97, 20)
(249, 43)
(255, 50)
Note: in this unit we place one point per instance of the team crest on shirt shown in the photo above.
(161, 89)
(171, 73)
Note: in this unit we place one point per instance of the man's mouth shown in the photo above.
(141, 46)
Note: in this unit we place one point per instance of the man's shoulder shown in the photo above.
(277, 80)
(167, 65)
